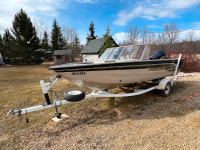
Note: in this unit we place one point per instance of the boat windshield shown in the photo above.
(137, 52)
(105, 55)
(115, 53)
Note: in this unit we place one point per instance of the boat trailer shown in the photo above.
(76, 95)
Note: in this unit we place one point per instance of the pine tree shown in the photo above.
(45, 47)
(76, 46)
(57, 42)
(107, 34)
(109, 42)
(91, 36)
(7, 42)
(25, 39)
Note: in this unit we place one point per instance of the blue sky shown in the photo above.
(119, 14)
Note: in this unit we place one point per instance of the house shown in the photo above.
(62, 56)
(91, 52)
(1, 60)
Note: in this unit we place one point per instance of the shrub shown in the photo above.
(191, 61)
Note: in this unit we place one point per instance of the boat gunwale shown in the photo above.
(112, 64)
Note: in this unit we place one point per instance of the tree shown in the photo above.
(76, 47)
(109, 42)
(57, 40)
(72, 42)
(69, 36)
(171, 31)
(45, 47)
(107, 34)
(26, 42)
(134, 34)
(91, 36)
(144, 35)
(191, 35)
(7, 42)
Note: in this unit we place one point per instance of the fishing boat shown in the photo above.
(118, 66)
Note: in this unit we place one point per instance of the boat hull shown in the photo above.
(105, 80)
(108, 77)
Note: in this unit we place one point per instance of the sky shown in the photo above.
(118, 14)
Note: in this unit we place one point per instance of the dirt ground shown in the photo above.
(146, 122)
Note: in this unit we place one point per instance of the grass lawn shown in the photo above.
(148, 121)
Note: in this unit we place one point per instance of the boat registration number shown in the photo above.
(79, 73)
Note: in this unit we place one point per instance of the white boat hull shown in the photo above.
(106, 79)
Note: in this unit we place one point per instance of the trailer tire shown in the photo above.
(74, 95)
(167, 91)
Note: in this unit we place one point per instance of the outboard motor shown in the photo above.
(158, 55)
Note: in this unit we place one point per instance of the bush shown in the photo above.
(191, 61)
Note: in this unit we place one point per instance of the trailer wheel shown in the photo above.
(167, 91)
(74, 95)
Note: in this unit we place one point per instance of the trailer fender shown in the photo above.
(162, 84)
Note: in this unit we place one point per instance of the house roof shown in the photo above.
(62, 52)
(93, 46)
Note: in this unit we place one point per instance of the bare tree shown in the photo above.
(144, 34)
(66, 34)
(134, 34)
(39, 28)
(72, 35)
(171, 32)
(190, 35)
(161, 39)
(72, 42)
(152, 37)
(69, 36)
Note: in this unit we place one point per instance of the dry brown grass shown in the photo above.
(147, 121)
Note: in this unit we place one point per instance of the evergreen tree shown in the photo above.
(45, 47)
(76, 46)
(107, 34)
(57, 42)
(7, 42)
(26, 42)
(109, 42)
(91, 36)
